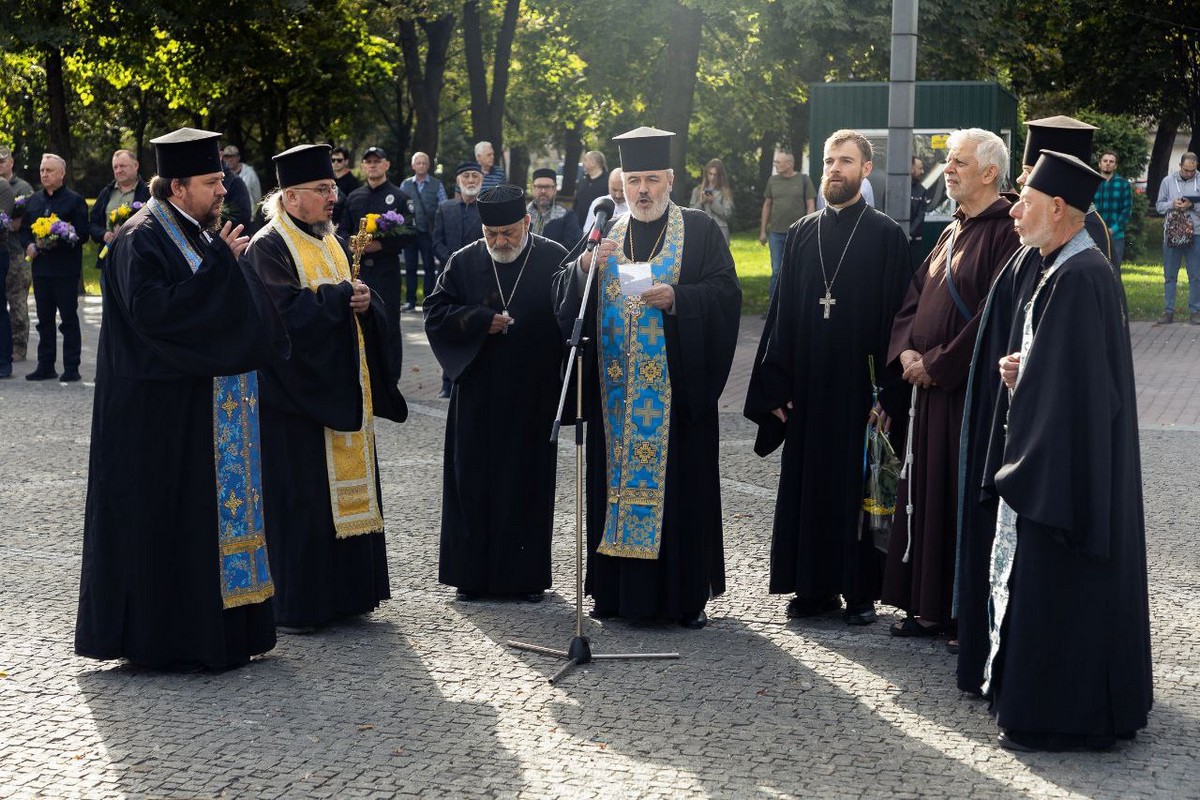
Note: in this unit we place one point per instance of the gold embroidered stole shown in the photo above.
(349, 455)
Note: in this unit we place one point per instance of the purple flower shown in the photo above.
(136, 204)
(4, 220)
(390, 219)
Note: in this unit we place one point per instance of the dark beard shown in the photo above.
(836, 197)
(211, 222)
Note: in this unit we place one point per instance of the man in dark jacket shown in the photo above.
(57, 258)
(126, 189)
(550, 219)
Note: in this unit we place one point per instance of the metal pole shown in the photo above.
(901, 109)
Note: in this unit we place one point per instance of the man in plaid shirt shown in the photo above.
(1114, 203)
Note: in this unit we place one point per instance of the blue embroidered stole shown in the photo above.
(242, 547)
(636, 390)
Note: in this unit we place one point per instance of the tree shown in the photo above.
(487, 111)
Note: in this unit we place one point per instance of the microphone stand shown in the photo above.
(579, 649)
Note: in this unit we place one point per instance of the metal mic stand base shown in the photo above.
(579, 652)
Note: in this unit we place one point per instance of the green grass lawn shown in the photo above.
(1143, 282)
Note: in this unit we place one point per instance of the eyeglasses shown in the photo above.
(324, 191)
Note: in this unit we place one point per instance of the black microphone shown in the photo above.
(604, 210)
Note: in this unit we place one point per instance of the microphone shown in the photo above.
(604, 210)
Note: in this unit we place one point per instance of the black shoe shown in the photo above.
(810, 607)
(466, 596)
(859, 613)
(42, 373)
(69, 376)
(409, 307)
(1194, 319)
(1166, 318)
(600, 612)
(694, 621)
(296, 630)
(444, 394)
(911, 627)
(533, 597)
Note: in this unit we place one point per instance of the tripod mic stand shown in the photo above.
(579, 649)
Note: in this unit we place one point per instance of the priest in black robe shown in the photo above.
(491, 324)
(175, 571)
(324, 512)
(845, 273)
(984, 402)
(654, 373)
(1069, 662)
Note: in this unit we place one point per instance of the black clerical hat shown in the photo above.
(1060, 134)
(644, 149)
(303, 163)
(467, 166)
(545, 172)
(187, 152)
(1066, 176)
(502, 205)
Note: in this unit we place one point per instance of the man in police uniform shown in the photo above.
(381, 259)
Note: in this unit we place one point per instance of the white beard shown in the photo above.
(657, 209)
(507, 256)
(470, 191)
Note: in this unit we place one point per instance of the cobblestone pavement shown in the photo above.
(423, 698)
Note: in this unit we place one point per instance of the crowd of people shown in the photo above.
(239, 382)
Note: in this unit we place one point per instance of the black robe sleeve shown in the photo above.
(1062, 439)
(707, 313)
(217, 321)
(456, 328)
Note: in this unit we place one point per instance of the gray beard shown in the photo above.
(656, 211)
(322, 229)
(471, 192)
(507, 256)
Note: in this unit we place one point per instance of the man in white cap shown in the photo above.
(324, 512)
(664, 318)
(175, 571)
(1069, 664)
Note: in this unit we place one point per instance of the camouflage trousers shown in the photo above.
(16, 292)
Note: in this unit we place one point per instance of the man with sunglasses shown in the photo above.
(346, 180)
(381, 269)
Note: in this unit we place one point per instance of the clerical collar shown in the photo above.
(837, 212)
(1048, 259)
(185, 215)
(304, 226)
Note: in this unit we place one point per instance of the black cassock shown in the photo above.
(820, 364)
(985, 398)
(150, 588)
(701, 338)
(498, 468)
(317, 575)
(1075, 644)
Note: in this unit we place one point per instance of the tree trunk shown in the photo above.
(425, 84)
(678, 86)
(766, 160)
(572, 149)
(487, 114)
(518, 166)
(1160, 156)
(56, 98)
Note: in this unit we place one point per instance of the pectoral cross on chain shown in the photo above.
(827, 301)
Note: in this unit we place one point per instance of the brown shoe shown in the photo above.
(1166, 319)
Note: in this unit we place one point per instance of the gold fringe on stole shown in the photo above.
(349, 455)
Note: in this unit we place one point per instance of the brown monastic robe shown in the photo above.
(931, 323)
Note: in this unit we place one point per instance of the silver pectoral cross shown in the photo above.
(827, 301)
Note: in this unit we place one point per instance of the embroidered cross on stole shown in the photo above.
(349, 455)
(636, 391)
(242, 546)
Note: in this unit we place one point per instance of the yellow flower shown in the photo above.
(372, 223)
(120, 213)
(41, 226)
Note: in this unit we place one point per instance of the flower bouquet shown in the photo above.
(19, 205)
(387, 224)
(51, 232)
(116, 218)
(4, 220)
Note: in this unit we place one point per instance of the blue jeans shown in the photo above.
(1172, 256)
(1118, 251)
(6, 344)
(775, 241)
